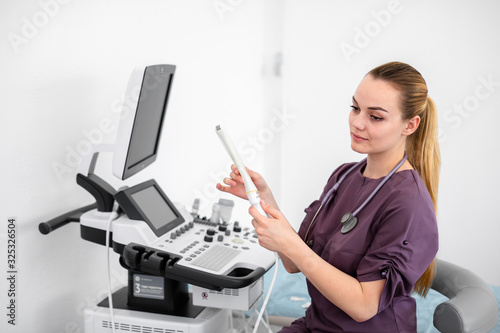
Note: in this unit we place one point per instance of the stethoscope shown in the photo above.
(349, 220)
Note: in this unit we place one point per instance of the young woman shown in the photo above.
(366, 245)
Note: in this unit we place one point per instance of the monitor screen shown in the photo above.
(141, 123)
(147, 202)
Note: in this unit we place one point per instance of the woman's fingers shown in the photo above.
(221, 188)
(229, 181)
(236, 177)
(235, 170)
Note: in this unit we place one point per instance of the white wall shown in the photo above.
(65, 75)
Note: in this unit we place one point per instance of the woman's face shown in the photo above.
(375, 121)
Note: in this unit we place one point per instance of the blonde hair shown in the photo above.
(422, 146)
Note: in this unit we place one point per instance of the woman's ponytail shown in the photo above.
(423, 153)
(423, 150)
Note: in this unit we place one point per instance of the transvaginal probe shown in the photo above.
(251, 190)
(253, 198)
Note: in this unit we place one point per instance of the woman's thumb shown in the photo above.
(268, 209)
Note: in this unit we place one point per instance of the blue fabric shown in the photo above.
(286, 286)
(496, 291)
(294, 285)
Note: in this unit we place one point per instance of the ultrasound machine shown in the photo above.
(163, 247)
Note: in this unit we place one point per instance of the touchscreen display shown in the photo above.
(154, 207)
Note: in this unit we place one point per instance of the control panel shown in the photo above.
(209, 254)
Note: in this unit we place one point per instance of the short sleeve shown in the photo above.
(405, 244)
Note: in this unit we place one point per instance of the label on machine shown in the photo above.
(147, 286)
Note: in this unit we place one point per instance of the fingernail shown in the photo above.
(263, 202)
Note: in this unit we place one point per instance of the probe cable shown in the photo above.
(113, 216)
(271, 286)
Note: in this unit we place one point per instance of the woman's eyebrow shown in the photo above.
(371, 107)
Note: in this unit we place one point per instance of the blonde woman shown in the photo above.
(371, 238)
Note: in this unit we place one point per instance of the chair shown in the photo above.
(472, 306)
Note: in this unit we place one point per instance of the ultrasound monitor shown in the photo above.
(141, 120)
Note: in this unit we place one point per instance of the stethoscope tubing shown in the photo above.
(329, 195)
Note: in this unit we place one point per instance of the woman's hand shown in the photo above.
(236, 185)
(275, 233)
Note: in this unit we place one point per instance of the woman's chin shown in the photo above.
(356, 147)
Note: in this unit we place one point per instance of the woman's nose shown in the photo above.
(358, 121)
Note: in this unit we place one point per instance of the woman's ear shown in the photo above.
(411, 125)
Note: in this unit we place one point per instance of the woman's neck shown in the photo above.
(379, 165)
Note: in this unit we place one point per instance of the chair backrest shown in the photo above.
(472, 306)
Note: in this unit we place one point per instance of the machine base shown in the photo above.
(190, 319)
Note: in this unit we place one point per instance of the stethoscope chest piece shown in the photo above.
(348, 221)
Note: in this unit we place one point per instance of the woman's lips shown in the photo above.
(357, 138)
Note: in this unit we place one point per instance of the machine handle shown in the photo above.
(161, 263)
(59, 221)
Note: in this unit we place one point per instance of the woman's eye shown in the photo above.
(354, 108)
(376, 118)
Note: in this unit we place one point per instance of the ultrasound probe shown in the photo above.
(252, 194)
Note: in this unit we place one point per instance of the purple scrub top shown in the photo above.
(396, 239)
